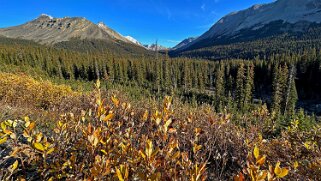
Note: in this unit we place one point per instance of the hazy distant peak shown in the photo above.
(155, 47)
(133, 40)
(184, 43)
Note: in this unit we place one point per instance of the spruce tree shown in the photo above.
(187, 77)
(249, 86)
(240, 86)
(291, 94)
(285, 86)
(166, 74)
(219, 87)
(201, 84)
(277, 90)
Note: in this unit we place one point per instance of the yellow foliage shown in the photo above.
(280, 172)
(295, 164)
(39, 146)
(3, 140)
(14, 166)
(108, 117)
(141, 144)
(254, 168)
(256, 152)
(22, 89)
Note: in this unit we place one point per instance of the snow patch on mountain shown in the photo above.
(112, 33)
(133, 40)
(154, 47)
(46, 15)
(101, 25)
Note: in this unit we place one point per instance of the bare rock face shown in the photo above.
(48, 30)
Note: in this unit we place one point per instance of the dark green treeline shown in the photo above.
(278, 81)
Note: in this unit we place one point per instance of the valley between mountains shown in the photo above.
(242, 101)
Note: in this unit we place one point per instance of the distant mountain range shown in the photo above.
(184, 43)
(48, 30)
(152, 47)
(155, 47)
(282, 17)
(259, 21)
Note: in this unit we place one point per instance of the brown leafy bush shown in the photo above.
(300, 150)
(100, 144)
(116, 140)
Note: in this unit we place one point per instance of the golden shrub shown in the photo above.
(103, 144)
(118, 140)
(22, 89)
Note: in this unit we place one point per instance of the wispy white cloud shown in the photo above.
(215, 13)
(173, 41)
(161, 8)
(169, 13)
(203, 7)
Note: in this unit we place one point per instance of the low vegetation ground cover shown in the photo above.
(51, 132)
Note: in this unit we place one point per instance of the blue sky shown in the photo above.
(168, 21)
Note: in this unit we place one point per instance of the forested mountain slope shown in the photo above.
(259, 29)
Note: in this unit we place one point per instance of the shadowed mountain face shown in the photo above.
(260, 21)
(48, 30)
(184, 43)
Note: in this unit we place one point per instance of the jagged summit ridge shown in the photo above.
(46, 16)
(49, 30)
